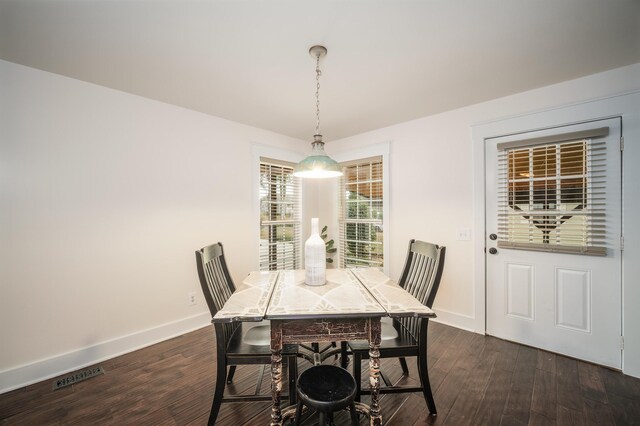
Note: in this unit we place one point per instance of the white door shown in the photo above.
(553, 225)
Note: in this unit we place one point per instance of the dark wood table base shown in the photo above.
(297, 331)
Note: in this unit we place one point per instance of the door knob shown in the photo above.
(493, 250)
(493, 237)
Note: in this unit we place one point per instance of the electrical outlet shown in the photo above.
(191, 298)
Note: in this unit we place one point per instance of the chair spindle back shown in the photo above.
(421, 277)
(217, 285)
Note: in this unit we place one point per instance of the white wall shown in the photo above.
(433, 188)
(104, 197)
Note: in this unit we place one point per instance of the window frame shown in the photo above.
(295, 222)
(364, 153)
(350, 228)
(259, 151)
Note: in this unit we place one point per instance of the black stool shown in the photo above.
(326, 389)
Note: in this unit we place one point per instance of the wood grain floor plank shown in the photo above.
(452, 353)
(568, 383)
(567, 367)
(472, 392)
(495, 396)
(597, 413)
(567, 416)
(508, 355)
(507, 420)
(591, 383)
(538, 419)
(546, 361)
(625, 411)
(544, 399)
(479, 380)
(440, 344)
(470, 352)
(618, 384)
(518, 405)
(525, 371)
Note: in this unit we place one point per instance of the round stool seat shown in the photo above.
(326, 388)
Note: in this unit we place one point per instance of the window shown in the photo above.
(552, 196)
(361, 213)
(279, 216)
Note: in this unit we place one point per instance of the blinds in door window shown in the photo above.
(551, 194)
(279, 216)
(361, 201)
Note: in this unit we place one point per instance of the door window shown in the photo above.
(551, 195)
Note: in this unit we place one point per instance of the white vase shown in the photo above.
(315, 260)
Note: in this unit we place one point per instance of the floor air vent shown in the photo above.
(78, 376)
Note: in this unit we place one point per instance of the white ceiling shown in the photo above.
(388, 62)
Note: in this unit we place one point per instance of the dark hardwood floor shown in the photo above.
(477, 380)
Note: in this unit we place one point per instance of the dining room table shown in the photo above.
(349, 306)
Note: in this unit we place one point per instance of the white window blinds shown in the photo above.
(279, 216)
(552, 193)
(361, 213)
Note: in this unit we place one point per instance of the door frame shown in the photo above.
(599, 341)
(609, 107)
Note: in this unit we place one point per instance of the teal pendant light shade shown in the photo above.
(318, 164)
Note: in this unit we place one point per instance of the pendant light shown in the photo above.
(318, 164)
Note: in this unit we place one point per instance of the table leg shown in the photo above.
(374, 371)
(276, 372)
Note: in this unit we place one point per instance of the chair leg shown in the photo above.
(357, 373)
(354, 415)
(424, 380)
(403, 364)
(296, 420)
(344, 358)
(293, 378)
(232, 371)
(219, 391)
(323, 419)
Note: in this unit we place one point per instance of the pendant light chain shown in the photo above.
(318, 164)
(318, 72)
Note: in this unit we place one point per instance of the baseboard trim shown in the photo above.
(455, 319)
(28, 374)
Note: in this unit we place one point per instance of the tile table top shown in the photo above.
(250, 300)
(363, 292)
(342, 296)
(393, 298)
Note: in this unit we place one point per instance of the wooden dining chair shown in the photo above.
(237, 343)
(420, 277)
